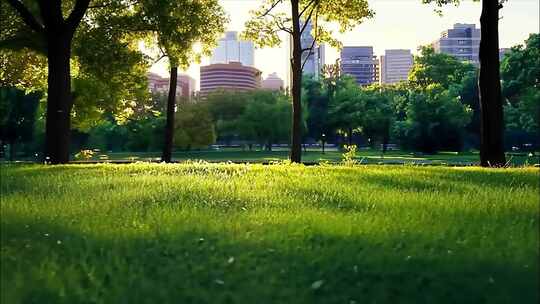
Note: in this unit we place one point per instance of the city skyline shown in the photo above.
(389, 29)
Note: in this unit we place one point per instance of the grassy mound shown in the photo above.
(211, 233)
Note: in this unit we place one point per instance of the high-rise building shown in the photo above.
(230, 49)
(273, 83)
(359, 62)
(463, 42)
(230, 76)
(314, 59)
(185, 85)
(394, 66)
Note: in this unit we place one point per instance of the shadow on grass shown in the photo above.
(44, 262)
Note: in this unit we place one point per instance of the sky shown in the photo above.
(397, 24)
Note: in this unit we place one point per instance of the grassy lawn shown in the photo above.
(315, 156)
(214, 233)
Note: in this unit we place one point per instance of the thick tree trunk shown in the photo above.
(59, 99)
(491, 109)
(169, 127)
(296, 130)
(350, 136)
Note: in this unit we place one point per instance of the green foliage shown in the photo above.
(106, 34)
(349, 155)
(430, 68)
(316, 99)
(434, 120)
(18, 113)
(177, 25)
(217, 233)
(520, 72)
(269, 20)
(266, 118)
(194, 127)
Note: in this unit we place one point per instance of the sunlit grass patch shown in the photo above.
(224, 233)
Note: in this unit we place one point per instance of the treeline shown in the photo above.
(436, 109)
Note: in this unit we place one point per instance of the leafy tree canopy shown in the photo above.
(437, 68)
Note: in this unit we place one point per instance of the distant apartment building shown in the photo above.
(230, 49)
(273, 83)
(394, 66)
(359, 62)
(462, 42)
(231, 76)
(184, 88)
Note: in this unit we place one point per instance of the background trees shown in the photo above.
(491, 106)
(55, 30)
(272, 18)
(434, 120)
(18, 112)
(176, 26)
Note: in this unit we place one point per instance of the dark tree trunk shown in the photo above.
(492, 124)
(169, 127)
(296, 65)
(57, 32)
(350, 136)
(59, 99)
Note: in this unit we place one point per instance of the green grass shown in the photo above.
(214, 233)
(315, 156)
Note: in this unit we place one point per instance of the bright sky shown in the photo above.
(398, 24)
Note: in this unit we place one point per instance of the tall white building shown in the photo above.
(395, 66)
(230, 49)
(314, 59)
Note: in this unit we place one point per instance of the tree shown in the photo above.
(56, 29)
(379, 114)
(17, 117)
(177, 26)
(265, 118)
(430, 68)
(434, 120)
(346, 109)
(194, 127)
(489, 84)
(317, 107)
(521, 84)
(268, 21)
(226, 107)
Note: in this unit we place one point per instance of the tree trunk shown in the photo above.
(169, 127)
(350, 136)
(59, 99)
(491, 109)
(296, 130)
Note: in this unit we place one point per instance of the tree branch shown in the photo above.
(270, 8)
(77, 13)
(306, 7)
(307, 20)
(26, 16)
(310, 49)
